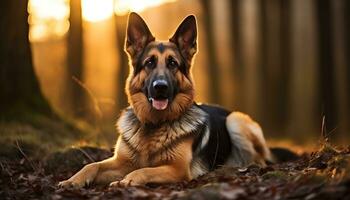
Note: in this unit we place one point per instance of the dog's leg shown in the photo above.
(162, 174)
(88, 173)
(176, 170)
(109, 176)
(116, 166)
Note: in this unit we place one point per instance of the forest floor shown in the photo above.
(324, 174)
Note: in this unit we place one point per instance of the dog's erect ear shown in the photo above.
(185, 37)
(138, 34)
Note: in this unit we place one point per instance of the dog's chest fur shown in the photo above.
(152, 145)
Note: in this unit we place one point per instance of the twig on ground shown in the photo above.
(323, 130)
(2, 166)
(94, 100)
(26, 157)
(86, 154)
(324, 134)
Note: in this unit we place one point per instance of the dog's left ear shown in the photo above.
(138, 34)
(185, 37)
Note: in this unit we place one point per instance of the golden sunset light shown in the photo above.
(122, 7)
(97, 10)
(48, 18)
(157, 99)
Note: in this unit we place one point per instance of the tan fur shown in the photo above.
(247, 135)
(104, 171)
(168, 165)
(170, 168)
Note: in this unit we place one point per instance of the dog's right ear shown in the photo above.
(138, 34)
(185, 37)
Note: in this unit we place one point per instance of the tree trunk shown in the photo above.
(123, 67)
(19, 89)
(238, 70)
(251, 43)
(75, 92)
(347, 52)
(285, 65)
(213, 67)
(327, 94)
(274, 73)
(340, 67)
(303, 70)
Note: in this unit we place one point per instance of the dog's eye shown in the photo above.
(172, 62)
(150, 63)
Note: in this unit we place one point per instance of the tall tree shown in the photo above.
(340, 68)
(75, 92)
(285, 47)
(327, 90)
(347, 49)
(274, 70)
(19, 89)
(251, 43)
(123, 67)
(213, 67)
(235, 13)
(303, 68)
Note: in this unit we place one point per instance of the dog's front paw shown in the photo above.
(71, 184)
(123, 183)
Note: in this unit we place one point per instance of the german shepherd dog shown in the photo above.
(164, 135)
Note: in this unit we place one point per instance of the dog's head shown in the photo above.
(160, 86)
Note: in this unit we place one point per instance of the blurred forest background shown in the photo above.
(284, 62)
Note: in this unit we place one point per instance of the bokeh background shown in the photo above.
(284, 62)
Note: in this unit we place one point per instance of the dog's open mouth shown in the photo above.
(159, 104)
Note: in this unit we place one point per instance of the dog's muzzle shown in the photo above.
(160, 94)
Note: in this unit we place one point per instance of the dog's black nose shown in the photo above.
(160, 86)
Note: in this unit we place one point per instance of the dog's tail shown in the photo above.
(249, 145)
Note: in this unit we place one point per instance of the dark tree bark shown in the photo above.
(285, 46)
(340, 68)
(237, 54)
(274, 62)
(213, 68)
(76, 104)
(123, 68)
(19, 89)
(303, 69)
(347, 48)
(251, 32)
(327, 91)
(263, 67)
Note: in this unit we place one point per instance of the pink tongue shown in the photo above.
(160, 104)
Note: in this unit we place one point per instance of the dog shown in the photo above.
(165, 136)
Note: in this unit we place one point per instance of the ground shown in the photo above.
(322, 174)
